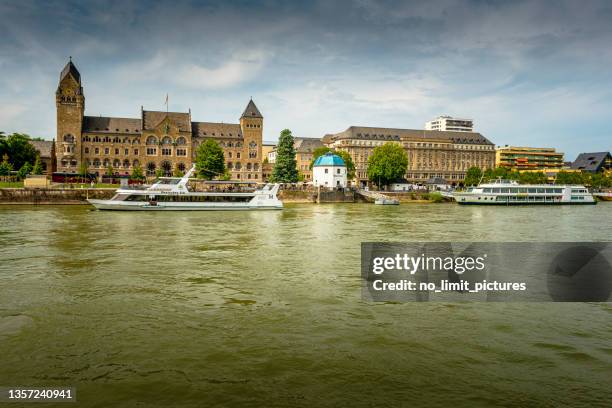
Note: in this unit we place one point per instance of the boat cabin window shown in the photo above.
(168, 181)
(487, 190)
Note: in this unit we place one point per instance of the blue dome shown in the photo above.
(329, 159)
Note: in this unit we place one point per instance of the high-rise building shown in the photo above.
(528, 158)
(450, 124)
(157, 140)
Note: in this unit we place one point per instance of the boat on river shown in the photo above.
(509, 192)
(173, 194)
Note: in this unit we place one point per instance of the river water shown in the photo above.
(264, 309)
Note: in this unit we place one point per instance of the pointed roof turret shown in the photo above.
(70, 69)
(251, 111)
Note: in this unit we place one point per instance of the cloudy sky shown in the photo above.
(529, 73)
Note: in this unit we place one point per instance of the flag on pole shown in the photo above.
(166, 103)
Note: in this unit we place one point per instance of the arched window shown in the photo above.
(86, 138)
(96, 162)
(167, 140)
(230, 166)
(116, 139)
(107, 139)
(126, 164)
(181, 141)
(252, 145)
(151, 167)
(238, 166)
(238, 144)
(136, 141)
(167, 168)
(116, 163)
(248, 166)
(229, 144)
(135, 163)
(151, 140)
(106, 162)
(97, 139)
(126, 140)
(68, 138)
(181, 167)
(256, 166)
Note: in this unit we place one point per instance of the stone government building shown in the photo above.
(431, 153)
(156, 140)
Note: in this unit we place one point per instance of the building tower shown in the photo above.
(251, 123)
(70, 106)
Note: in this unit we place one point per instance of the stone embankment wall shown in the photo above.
(336, 197)
(52, 196)
(297, 196)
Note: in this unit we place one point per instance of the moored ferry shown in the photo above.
(173, 194)
(506, 192)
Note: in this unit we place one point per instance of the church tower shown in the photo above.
(70, 106)
(251, 123)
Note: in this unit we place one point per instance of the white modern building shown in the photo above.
(329, 170)
(450, 124)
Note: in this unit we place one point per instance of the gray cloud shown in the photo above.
(527, 72)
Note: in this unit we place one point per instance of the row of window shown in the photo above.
(108, 139)
(166, 151)
(151, 140)
(97, 163)
(238, 166)
(523, 190)
(107, 151)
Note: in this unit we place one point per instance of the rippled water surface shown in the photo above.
(264, 309)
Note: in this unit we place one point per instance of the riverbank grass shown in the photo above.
(11, 184)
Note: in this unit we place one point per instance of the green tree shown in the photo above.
(473, 176)
(210, 161)
(137, 173)
(178, 173)
(159, 173)
(535, 177)
(387, 163)
(571, 177)
(227, 176)
(285, 167)
(24, 170)
(37, 166)
(110, 172)
(19, 150)
(497, 173)
(348, 160)
(3, 145)
(5, 167)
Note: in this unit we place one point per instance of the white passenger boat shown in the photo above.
(172, 194)
(506, 192)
